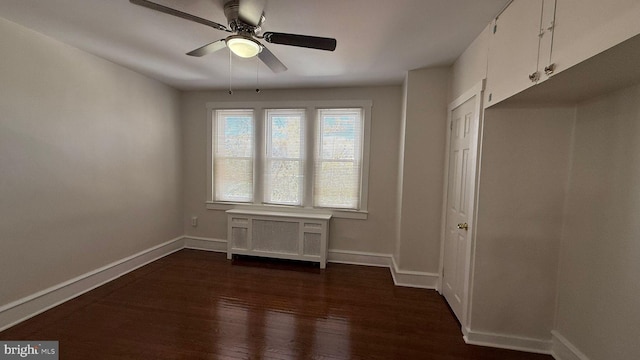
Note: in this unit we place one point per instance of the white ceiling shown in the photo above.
(378, 40)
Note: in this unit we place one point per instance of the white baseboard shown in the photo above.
(505, 341)
(203, 243)
(32, 305)
(417, 279)
(400, 277)
(562, 349)
(358, 258)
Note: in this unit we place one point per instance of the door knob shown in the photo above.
(464, 226)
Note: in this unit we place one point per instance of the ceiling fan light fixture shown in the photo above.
(243, 47)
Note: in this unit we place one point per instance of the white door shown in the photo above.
(459, 205)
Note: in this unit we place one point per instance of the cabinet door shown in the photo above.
(546, 67)
(584, 28)
(513, 50)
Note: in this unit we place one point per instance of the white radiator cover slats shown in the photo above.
(285, 235)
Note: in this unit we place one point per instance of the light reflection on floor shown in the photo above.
(251, 332)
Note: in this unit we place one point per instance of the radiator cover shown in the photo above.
(284, 235)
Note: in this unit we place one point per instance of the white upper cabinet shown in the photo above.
(546, 67)
(531, 40)
(584, 28)
(519, 49)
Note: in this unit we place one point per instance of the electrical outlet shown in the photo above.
(194, 221)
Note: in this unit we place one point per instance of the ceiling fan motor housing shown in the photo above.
(232, 13)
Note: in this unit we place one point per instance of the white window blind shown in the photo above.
(285, 154)
(338, 158)
(293, 154)
(233, 151)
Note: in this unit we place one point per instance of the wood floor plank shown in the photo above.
(198, 305)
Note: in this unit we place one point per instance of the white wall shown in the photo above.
(400, 170)
(422, 170)
(471, 67)
(523, 177)
(598, 288)
(374, 235)
(90, 162)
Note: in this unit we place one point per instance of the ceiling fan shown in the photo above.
(245, 18)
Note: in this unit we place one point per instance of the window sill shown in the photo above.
(336, 213)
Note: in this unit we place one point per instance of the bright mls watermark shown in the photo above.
(29, 350)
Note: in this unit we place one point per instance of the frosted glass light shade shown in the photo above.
(243, 47)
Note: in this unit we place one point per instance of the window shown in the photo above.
(233, 155)
(301, 155)
(285, 153)
(338, 158)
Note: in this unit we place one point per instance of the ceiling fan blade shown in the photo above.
(271, 61)
(167, 10)
(209, 48)
(312, 42)
(251, 11)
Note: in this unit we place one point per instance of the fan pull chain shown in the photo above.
(230, 91)
(257, 75)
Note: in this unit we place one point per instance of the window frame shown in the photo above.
(311, 113)
(214, 147)
(318, 158)
(268, 155)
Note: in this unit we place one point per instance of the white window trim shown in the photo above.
(214, 120)
(303, 152)
(311, 114)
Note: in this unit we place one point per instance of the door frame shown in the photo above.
(476, 145)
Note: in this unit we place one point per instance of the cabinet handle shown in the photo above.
(534, 76)
(550, 69)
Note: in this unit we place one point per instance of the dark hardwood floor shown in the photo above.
(198, 305)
